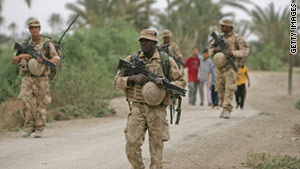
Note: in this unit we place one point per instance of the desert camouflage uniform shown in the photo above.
(35, 91)
(174, 49)
(144, 117)
(225, 78)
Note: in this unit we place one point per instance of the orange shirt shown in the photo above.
(242, 76)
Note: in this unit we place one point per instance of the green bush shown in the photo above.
(84, 85)
(89, 64)
(266, 59)
(10, 81)
(266, 161)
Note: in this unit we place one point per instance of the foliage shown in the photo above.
(266, 161)
(55, 21)
(89, 64)
(272, 26)
(266, 59)
(84, 85)
(10, 80)
(97, 13)
(10, 116)
(191, 21)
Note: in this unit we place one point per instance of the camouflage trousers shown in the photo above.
(34, 93)
(225, 85)
(152, 118)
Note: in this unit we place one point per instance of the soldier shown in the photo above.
(35, 84)
(173, 48)
(147, 102)
(225, 82)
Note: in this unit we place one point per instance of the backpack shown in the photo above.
(58, 48)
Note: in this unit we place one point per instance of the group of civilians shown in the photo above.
(201, 75)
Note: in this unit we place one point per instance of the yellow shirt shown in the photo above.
(242, 76)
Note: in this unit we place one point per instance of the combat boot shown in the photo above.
(226, 114)
(38, 134)
(222, 114)
(26, 132)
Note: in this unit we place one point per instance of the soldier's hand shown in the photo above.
(217, 49)
(25, 56)
(159, 82)
(55, 61)
(229, 53)
(40, 60)
(139, 79)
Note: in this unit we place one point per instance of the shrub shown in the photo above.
(88, 68)
(266, 161)
(84, 85)
(266, 59)
(10, 81)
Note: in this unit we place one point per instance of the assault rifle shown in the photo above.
(165, 48)
(28, 49)
(139, 68)
(223, 46)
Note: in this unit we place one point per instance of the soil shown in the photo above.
(202, 140)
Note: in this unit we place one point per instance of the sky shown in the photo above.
(18, 12)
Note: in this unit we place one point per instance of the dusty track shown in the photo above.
(202, 140)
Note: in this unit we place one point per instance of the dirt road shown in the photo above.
(201, 141)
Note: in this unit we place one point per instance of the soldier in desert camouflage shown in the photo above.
(148, 102)
(225, 76)
(35, 84)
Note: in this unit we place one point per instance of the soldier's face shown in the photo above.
(226, 29)
(35, 30)
(147, 45)
(166, 39)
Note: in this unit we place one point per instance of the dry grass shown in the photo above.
(10, 116)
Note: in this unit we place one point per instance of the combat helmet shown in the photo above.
(152, 94)
(219, 60)
(36, 68)
(148, 34)
(34, 22)
(227, 22)
(166, 33)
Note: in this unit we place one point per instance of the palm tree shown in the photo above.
(97, 13)
(28, 2)
(27, 20)
(12, 27)
(190, 22)
(1, 22)
(55, 21)
(271, 26)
